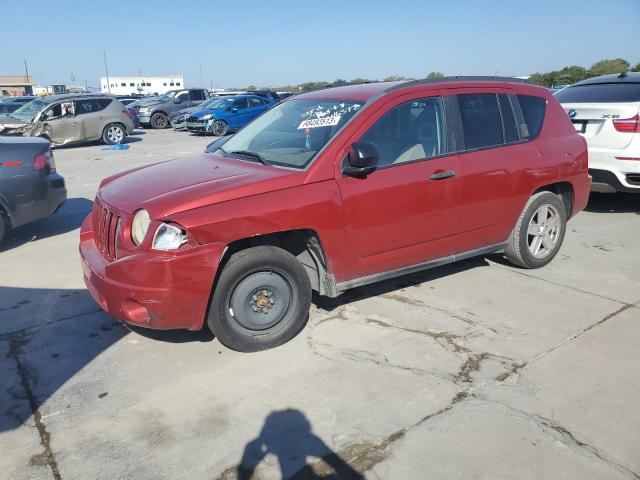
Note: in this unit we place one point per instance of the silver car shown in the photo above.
(67, 119)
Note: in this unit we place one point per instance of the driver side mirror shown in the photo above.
(362, 160)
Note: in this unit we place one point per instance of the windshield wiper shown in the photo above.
(247, 153)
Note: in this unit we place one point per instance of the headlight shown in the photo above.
(139, 226)
(169, 237)
(207, 117)
(143, 109)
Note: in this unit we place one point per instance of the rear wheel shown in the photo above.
(219, 128)
(159, 120)
(539, 232)
(261, 300)
(113, 133)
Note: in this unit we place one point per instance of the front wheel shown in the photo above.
(159, 121)
(261, 300)
(219, 128)
(539, 232)
(113, 133)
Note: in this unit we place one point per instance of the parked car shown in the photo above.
(283, 95)
(70, 118)
(228, 114)
(30, 187)
(267, 94)
(179, 122)
(11, 104)
(331, 190)
(158, 112)
(605, 110)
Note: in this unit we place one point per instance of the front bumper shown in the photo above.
(144, 118)
(151, 289)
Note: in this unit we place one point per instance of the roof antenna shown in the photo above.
(623, 75)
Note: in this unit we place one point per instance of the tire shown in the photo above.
(114, 133)
(262, 300)
(159, 121)
(539, 232)
(219, 128)
(5, 227)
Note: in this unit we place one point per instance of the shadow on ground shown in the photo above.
(614, 203)
(287, 435)
(67, 219)
(49, 335)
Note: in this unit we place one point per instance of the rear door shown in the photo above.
(493, 160)
(91, 112)
(406, 212)
(593, 109)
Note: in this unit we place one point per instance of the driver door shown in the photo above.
(407, 211)
(61, 124)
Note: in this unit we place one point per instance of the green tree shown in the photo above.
(251, 88)
(636, 68)
(433, 75)
(603, 67)
(360, 80)
(395, 78)
(339, 82)
(569, 75)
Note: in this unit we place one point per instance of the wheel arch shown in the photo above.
(564, 190)
(304, 244)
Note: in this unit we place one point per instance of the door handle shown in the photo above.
(442, 174)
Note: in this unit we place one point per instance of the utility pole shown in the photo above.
(106, 69)
(26, 78)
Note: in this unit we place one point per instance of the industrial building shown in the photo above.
(11, 86)
(143, 85)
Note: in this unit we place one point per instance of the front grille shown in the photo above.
(633, 178)
(106, 225)
(194, 120)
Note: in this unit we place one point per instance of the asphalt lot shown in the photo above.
(475, 370)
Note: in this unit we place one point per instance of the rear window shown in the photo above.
(600, 93)
(533, 109)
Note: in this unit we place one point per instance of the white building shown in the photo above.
(144, 85)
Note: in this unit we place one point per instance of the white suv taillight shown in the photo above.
(627, 125)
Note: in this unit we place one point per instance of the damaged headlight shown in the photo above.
(207, 117)
(139, 226)
(169, 237)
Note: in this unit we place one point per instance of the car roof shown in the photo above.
(366, 91)
(626, 77)
(74, 96)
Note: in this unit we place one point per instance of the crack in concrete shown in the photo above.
(47, 323)
(17, 341)
(564, 435)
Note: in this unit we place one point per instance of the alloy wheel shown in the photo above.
(543, 231)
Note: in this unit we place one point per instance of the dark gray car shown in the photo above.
(30, 187)
(158, 112)
(11, 104)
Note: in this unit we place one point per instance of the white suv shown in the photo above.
(606, 112)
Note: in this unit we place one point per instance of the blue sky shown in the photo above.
(239, 43)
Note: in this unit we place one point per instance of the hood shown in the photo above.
(186, 111)
(184, 184)
(207, 111)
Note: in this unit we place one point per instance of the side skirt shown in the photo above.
(378, 277)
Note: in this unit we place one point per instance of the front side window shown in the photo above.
(480, 120)
(292, 133)
(240, 103)
(183, 97)
(411, 131)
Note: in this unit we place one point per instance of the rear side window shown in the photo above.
(533, 109)
(87, 106)
(480, 120)
(600, 93)
(103, 103)
(197, 95)
(508, 119)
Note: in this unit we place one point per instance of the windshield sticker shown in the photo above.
(337, 109)
(319, 122)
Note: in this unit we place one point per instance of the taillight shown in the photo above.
(627, 125)
(44, 161)
(127, 113)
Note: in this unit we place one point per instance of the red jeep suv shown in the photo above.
(331, 190)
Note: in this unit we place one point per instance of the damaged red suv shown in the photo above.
(331, 190)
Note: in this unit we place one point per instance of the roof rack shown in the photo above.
(458, 79)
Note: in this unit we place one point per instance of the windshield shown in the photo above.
(27, 112)
(220, 103)
(292, 133)
(167, 97)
